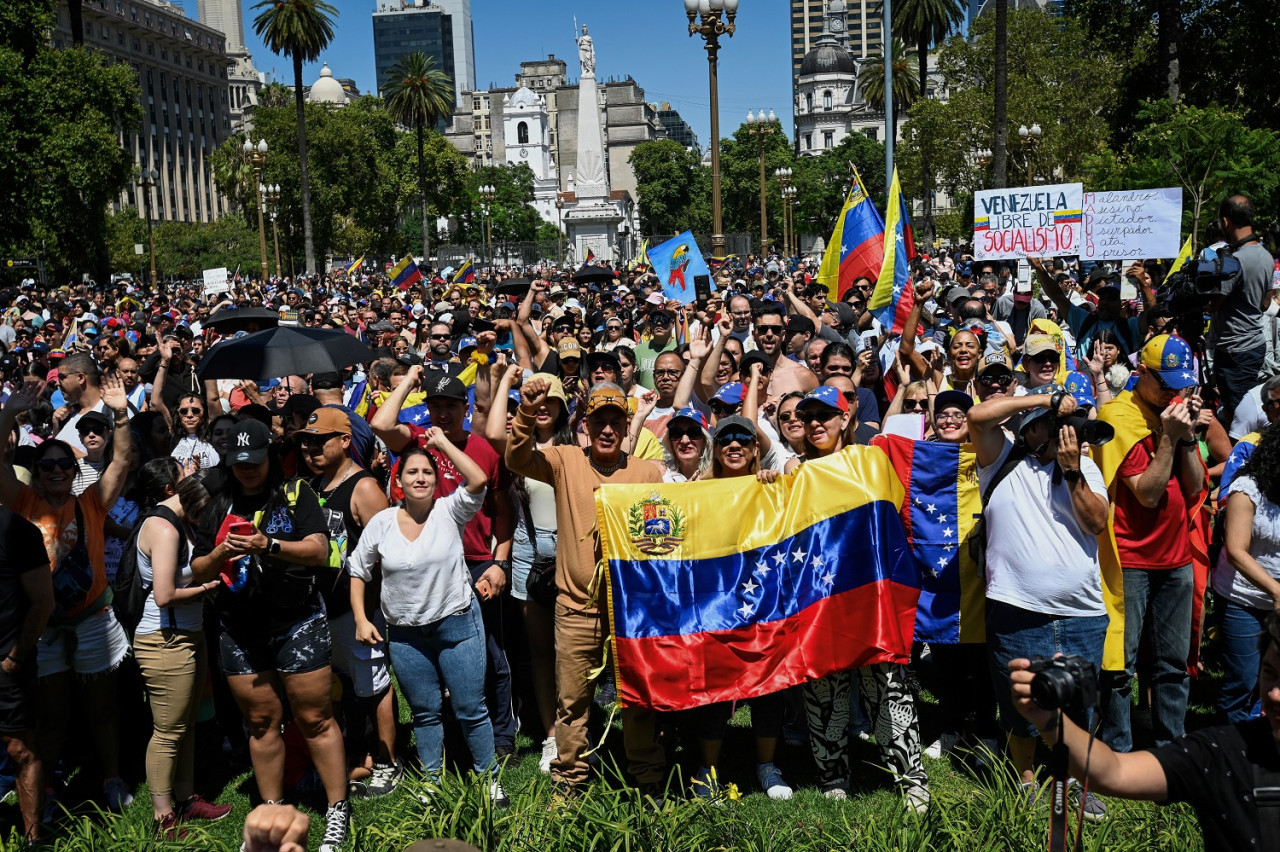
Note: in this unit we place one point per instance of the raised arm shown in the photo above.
(751, 405)
(496, 425)
(386, 420)
(907, 348)
(985, 420)
(485, 341)
(522, 454)
(474, 476)
(699, 349)
(22, 399)
(707, 378)
(1050, 286)
(111, 484)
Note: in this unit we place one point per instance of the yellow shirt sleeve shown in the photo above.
(648, 446)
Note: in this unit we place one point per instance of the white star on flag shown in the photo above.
(828, 579)
(948, 547)
(779, 557)
(947, 532)
(930, 508)
(762, 568)
(818, 561)
(917, 501)
(942, 518)
(942, 563)
(749, 586)
(799, 556)
(746, 609)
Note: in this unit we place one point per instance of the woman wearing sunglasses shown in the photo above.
(84, 643)
(615, 335)
(886, 700)
(687, 447)
(964, 350)
(193, 432)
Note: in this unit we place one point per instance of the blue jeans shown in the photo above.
(1013, 632)
(1239, 632)
(1160, 600)
(449, 653)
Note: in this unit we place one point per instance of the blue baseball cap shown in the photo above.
(1171, 359)
(825, 395)
(691, 414)
(465, 343)
(729, 394)
(1080, 386)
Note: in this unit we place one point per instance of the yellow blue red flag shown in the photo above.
(727, 589)
(466, 272)
(856, 247)
(405, 273)
(351, 270)
(893, 296)
(1183, 256)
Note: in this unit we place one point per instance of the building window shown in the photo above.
(522, 133)
(808, 141)
(808, 102)
(872, 133)
(826, 101)
(828, 138)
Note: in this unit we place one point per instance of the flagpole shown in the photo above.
(886, 30)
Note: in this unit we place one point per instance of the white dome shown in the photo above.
(327, 90)
(524, 97)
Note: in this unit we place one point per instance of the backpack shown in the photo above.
(129, 592)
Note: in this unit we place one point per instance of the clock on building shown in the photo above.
(837, 25)
(524, 152)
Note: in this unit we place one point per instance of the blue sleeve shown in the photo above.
(868, 408)
(1075, 318)
(1231, 468)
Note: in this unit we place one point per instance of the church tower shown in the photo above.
(526, 133)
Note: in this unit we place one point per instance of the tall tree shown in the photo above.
(1169, 34)
(906, 87)
(418, 95)
(1000, 110)
(927, 23)
(299, 29)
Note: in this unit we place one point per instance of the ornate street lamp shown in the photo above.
(784, 181)
(146, 182)
(1030, 137)
(272, 195)
(487, 194)
(761, 128)
(257, 156)
(712, 19)
(560, 229)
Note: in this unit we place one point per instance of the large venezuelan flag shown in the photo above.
(891, 301)
(728, 589)
(940, 514)
(856, 247)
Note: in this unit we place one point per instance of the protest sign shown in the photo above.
(215, 280)
(1131, 223)
(1040, 221)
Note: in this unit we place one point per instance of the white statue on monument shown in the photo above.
(586, 53)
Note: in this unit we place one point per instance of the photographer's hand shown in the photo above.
(1020, 675)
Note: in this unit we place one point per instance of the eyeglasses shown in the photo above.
(63, 463)
(769, 329)
(658, 374)
(741, 438)
(951, 417)
(188, 411)
(693, 433)
(721, 409)
(441, 336)
(315, 440)
(788, 417)
(740, 314)
(817, 415)
(915, 405)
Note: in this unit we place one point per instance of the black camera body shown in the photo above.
(1095, 433)
(1199, 283)
(1064, 683)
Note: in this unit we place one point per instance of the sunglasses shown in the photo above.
(999, 380)
(188, 411)
(91, 428)
(1270, 403)
(817, 416)
(441, 336)
(693, 433)
(769, 329)
(1043, 357)
(788, 417)
(315, 440)
(741, 438)
(722, 408)
(63, 463)
(915, 405)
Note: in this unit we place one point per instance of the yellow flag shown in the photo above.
(1183, 257)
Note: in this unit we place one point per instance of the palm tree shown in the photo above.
(299, 29)
(905, 86)
(926, 22)
(1000, 110)
(418, 95)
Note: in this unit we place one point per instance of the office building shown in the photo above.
(859, 26)
(439, 28)
(675, 128)
(244, 81)
(182, 69)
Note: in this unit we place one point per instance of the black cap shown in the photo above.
(444, 386)
(249, 443)
(301, 404)
(755, 356)
(326, 381)
(799, 324)
(91, 417)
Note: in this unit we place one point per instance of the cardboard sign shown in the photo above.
(1131, 223)
(1036, 221)
(216, 280)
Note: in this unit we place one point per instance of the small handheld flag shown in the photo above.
(466, 273)
(893, 296)
(351, 270)
(1183, 256)
(590, 255)
(405, 273)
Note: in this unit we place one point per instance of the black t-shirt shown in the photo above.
(343, 528)
(177, 382)
(284, 593)
(21, 550)
(1213, 771)
(862, 434)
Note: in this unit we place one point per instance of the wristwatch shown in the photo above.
(1055, 401)
(273, 547)
(1073, 475)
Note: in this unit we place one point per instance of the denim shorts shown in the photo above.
(522, 556)
(1013, 632)
(302, 648)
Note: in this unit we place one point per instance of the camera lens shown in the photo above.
(1053, 688)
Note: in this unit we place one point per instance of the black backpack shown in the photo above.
(129, 592)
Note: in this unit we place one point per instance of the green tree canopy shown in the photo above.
(674, 189)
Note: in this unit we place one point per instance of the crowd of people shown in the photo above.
(272, 560)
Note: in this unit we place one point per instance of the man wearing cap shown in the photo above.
(349, 497)
(1041, 361)
(1086, 324)
(995, 378)
(490, 565)
(580, 630)
(1045, 507)
(661, 323)
(1157, 483)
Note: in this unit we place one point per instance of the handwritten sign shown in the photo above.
(1131, 223)
(215, 280)
(1040, 221)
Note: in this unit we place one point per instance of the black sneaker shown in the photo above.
(337, 825)
(385, 778)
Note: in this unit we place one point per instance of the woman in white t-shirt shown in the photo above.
(1248, 574)
(434, 630)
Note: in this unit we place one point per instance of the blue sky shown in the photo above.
(647, 40)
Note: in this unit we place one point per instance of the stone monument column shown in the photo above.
(592, 219)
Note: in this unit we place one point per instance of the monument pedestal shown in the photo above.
(592, 225)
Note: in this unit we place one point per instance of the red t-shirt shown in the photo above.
(477, 535)
(1152, 539)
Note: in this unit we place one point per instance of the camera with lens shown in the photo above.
(1064, 683)
(1199, 282)
(1095, 433)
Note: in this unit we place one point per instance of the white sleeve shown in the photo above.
(1247, 486)
(462, 505)
(360, 562)
(1093, 476)
(1248, 417)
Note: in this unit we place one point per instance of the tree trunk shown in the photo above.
(1000, 113)
(1169, 13)
(76, 14)
(422, 198)
(304, 181)
(926, 180)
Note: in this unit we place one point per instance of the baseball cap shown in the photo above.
(728, 394)
(735, 426)
(995, 362)
(445, 387)
(327, 421)
(466, 343)
(952, 399)
(755, 356)
(249, 442)
(555, 387)
(957, 293)
(299, 404)
(1037, 343)
(828, 396)
(1031, 415)
(606, 397)
(799, 324)
(90, 418)
(1170, 358)
(1080, 386)
(691, 414)
(569, 348)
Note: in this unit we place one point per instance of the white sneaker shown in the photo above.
(838, 794)
(549, 754)
(498, 795)
(916, 799)
(337, 826)
(117, 794)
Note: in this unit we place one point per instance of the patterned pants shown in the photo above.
(889, 705)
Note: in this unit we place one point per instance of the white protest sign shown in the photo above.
(215, 280)
(1040, 221)
(1132, 223)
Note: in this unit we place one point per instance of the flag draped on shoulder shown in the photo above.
(856, 247)
(893, 296)
(405, 273)
(675, 262)
(728, 589)
(941, 513)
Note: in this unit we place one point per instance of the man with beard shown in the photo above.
(770, 330)
(439, 357)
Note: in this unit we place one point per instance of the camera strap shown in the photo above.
(1059, 766)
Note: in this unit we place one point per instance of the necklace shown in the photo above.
(607, 470)
(350, 469)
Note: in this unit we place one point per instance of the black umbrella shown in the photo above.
(589, 273)
(283, 351)
(230, 320)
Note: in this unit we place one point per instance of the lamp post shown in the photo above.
(257, 156)
(1030, 137)
(146, 182)
(789, 202)
(761, 128)
(272, 195)
(705, 20)
(559, 229)
(487, 194)
(784, 180)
